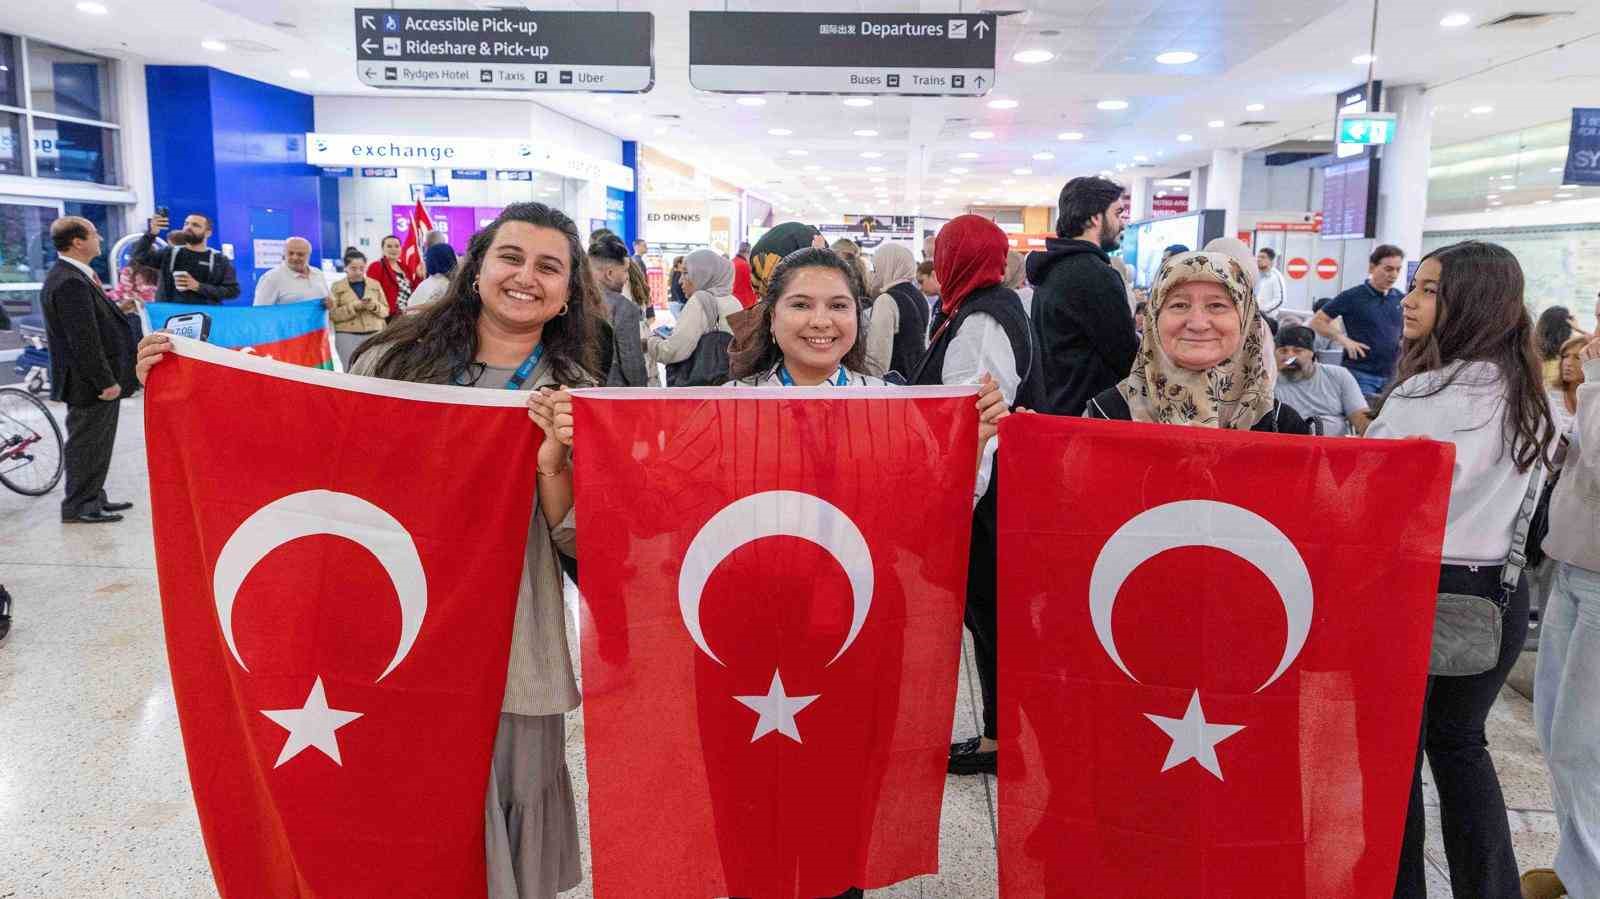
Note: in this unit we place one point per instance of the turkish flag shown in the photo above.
(1216, 649)
(411, 247)
(774, 580)
(338, 637)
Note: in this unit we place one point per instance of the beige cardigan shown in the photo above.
(1574, 535)
(357, 315)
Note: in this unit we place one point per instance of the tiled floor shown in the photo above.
(94, 799)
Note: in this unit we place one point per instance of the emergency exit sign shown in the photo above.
(1366, 128)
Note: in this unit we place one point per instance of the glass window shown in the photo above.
(10, 143)
(74, 151)
(10, 73)
(69, 83)
(25, 249)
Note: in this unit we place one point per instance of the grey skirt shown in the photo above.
(530, 818)
(346, 342)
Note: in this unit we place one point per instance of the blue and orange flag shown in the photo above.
(291, 332)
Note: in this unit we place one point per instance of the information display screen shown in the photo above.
(1144, 242)
(1347, 199)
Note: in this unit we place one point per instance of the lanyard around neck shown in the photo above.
(520, 376)
(842, 379)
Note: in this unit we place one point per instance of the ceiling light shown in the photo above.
(1508, 187)
(798, 152)
(779, 132)
(1569, 187)
(1319, 137)
(1215, 123)
(823, 179)
(215, 46)
(1044, 156)
(1122, 166)
(1541, 202)
(1003, 104)
(1364, 59)
(751, 101)
(1033, 57)
(1141, 158)
(981, 135)
(858, 102)
(1105, 173)
(1022, 171)
(877, 180)
(1111, 105)
(299, 73)
(1481, 110)
(1563, 195)
(1255, 107)
(605, 99)
(958, 170)
(1557, 170)
(1070, 135)
(1008, 181)
(871, 154)
(865, 132)
(874, 168)
(952, 180)
(1177, 57)
(975, 156)
(1455, 20)
(1161, 194)
(93, 9)
(1185, 138)
(1494, 196)
(813, 168)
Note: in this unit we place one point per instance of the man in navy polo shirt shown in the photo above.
(1372, 321)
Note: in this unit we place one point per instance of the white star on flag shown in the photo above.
(777, 710)
(311, 725)
(1194, 738)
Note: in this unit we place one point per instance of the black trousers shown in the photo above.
(981, 603)
(1472, 811)
(91, 433)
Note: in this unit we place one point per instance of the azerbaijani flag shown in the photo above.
(290, 332)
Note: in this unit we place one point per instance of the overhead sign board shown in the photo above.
(1583, 148)
(912, 54)
(410, 151)
(505, 49)
(1367, 129)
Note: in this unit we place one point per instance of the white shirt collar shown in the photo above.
(82, 267)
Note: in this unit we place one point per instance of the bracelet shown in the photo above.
(550, 474)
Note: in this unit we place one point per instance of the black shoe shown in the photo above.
(852, 893)
(91, 518)
(115, 507)
(966, 758)
(5, 613)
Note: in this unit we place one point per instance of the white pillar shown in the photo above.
(1142, 189)
(1403, 175)
(1224, 184)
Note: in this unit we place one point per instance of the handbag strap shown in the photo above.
(1517, 560)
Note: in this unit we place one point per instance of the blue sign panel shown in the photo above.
(380, 173)
(1583, 148)
(339, 171)
(469, 174)
(511, 175)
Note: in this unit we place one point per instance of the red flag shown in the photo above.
(411, 247)
(776, 580)
(1215, 651)
(338, 637)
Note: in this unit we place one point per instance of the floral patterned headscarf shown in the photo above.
(1236, 392)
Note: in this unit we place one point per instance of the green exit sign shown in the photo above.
(1366, 128)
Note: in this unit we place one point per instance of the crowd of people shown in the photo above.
(536, 306)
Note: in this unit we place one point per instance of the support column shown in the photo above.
(1403, 175)
(1140, 204)
(1224, 184)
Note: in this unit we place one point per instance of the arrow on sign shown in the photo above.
(369, 72)
(982, 28)
(980, 82)
(367, 22)
(367, 45)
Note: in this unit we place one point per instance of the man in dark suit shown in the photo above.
(91, 367)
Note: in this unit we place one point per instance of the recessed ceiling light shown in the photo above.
(93, 9)
(1563, 195)
(214, 46)
(874, 168)
(1111, 105)
(1033, 57)
(1185, 138)
(1044, 156)
(981, 135)
(1141, 158)
(872, 154)
(958, 170)
(1008, 181)
(1494, 196)
(1070, 135)
(779, 132)
(970, 155)
(952, 180)
(865, 132)
(1508, 187)
(751, 101)
(1122, 166)
(1481, 110)
(1021, 171)
(1319, 137)
(877, 180)
(813, 168)
(1364, 59)
(1455, 20)
(1177, 57)
(1003, 104)
(1255, 107)
(1215, 123)
(858, 101)
(823, 179)
(1569, 187)
(1161, 194)
(1541, 202)
(1557, 170)
(798, 152)
(299, 73)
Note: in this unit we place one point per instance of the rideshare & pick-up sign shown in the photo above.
(914, 54)
(507, 49)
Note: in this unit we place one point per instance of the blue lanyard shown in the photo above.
(515, 382)
(841, 380)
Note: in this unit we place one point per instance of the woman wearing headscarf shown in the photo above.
(980, 329)
(708, 279)
(1203, 358)
(1017, 279)
(896, 333)
(440, 261)
(764, 258)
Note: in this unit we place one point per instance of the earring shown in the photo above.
(563, 310)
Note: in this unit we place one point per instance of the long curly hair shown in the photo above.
(439, 344)
(1481, 318)
(761, 353)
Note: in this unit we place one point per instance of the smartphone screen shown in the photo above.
(193, 325)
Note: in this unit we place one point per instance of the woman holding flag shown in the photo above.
(396, 281)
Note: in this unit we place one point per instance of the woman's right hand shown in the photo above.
(152, 349)
(1591, 350)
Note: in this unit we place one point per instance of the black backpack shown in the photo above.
(707, 366)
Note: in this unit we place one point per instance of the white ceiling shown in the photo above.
(1292, 56)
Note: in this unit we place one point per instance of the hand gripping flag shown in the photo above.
(1215, 651)
(775, 579)
(338, 636)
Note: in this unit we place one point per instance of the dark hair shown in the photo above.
(1383, 251)
(1553, 330)
(1317, 304)
(638, 284)
(761, 353)
(925, 267)
(606, 245)
(1081, 200)
(1480, 317)
(65, 230)
(353, 253)
(439, 344)
(389, 237)
(210, 225)
(1271, 253)
(1141, 306)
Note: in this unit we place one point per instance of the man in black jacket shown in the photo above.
(91, 367)
(191, 272)
(1080, 304)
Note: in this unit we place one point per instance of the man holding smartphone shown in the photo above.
(191, 272)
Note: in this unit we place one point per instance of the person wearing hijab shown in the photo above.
(440, 261)
(1017, 279)
(980, 329)
(897, 331)
(708, 280)
(1202, 358)
(776, 244)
